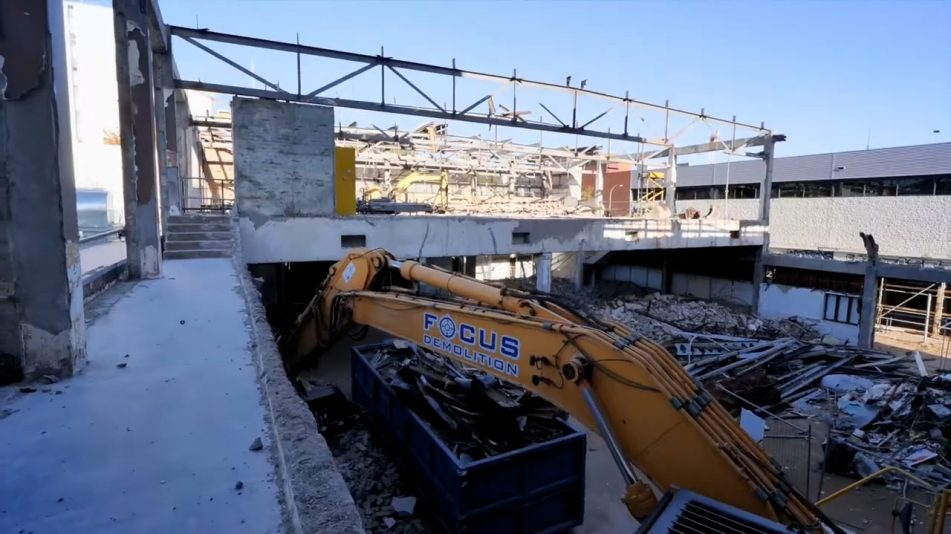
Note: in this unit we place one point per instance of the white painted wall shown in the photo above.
(94, 102)
(779, 301)
(905, 226)
(908, 226)
(500, 267)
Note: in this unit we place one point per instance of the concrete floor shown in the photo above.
(157, 446)
(101, 254)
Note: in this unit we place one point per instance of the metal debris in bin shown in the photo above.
(475, 414)
(485, 456)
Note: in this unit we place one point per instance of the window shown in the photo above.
(744, 191)
(916, 186)
(880, 188)
(789, 190)
(841, 308)
(816, 189)
(851, 189)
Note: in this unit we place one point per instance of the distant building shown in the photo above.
(820, 202)
(94, 110)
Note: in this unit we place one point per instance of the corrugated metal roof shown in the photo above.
(915, 160)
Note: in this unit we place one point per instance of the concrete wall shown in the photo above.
(279, 239)
(909, 226)
(500, 267)
(645, 277)
(284, 159)
(742, 209)
(779, 301)
(704, 287)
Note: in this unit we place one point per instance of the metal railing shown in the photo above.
(102, 236)
(207, 194)
(906, 314)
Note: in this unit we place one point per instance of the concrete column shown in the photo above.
(869, 307)
(599, 188)
(670, 180)
(543, 272)
(172, 185)
(766, 186)
(42, 327)
(939, 309)
(579, 270)
(574, 182)
(162, 79)
(138, 138)
(666, 274)
(759, 273)
(470, 266)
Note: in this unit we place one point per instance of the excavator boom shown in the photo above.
(663, 428)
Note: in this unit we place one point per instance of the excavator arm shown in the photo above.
(664, 430)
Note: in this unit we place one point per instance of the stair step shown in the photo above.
(199, 227)
(198, 236)
(211, 217)
(198, 245)
(192, 254)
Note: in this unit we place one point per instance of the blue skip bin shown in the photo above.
(535, 489)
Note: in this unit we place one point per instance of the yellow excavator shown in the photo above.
(664, 430)
(399, 191)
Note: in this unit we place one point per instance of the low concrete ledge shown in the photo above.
(316, 498)
(274, 240)
(97, 281)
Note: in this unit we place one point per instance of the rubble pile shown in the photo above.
(374, 481)
(675, 313)
(474, 414)
(883, 410)
(882, 421)
(547, 207)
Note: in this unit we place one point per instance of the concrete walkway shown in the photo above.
(156, 446)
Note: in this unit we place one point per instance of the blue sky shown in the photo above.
(823, 73)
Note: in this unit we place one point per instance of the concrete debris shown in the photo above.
(660, 316)
(256, 445)
(403, 506)
(901, 420)
(515, 206)
(49, 379)
(373, 479)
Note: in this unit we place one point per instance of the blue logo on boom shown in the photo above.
(447, 327)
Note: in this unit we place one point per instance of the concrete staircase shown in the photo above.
(198, 236)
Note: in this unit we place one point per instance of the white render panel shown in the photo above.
(779, 301)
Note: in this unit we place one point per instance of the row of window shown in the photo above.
(873, 187)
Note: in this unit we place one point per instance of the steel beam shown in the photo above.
(813, 264)
(403, 110)
(714, 146)
(435, 69)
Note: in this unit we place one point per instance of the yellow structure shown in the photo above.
(345, 180)
(663, 428)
